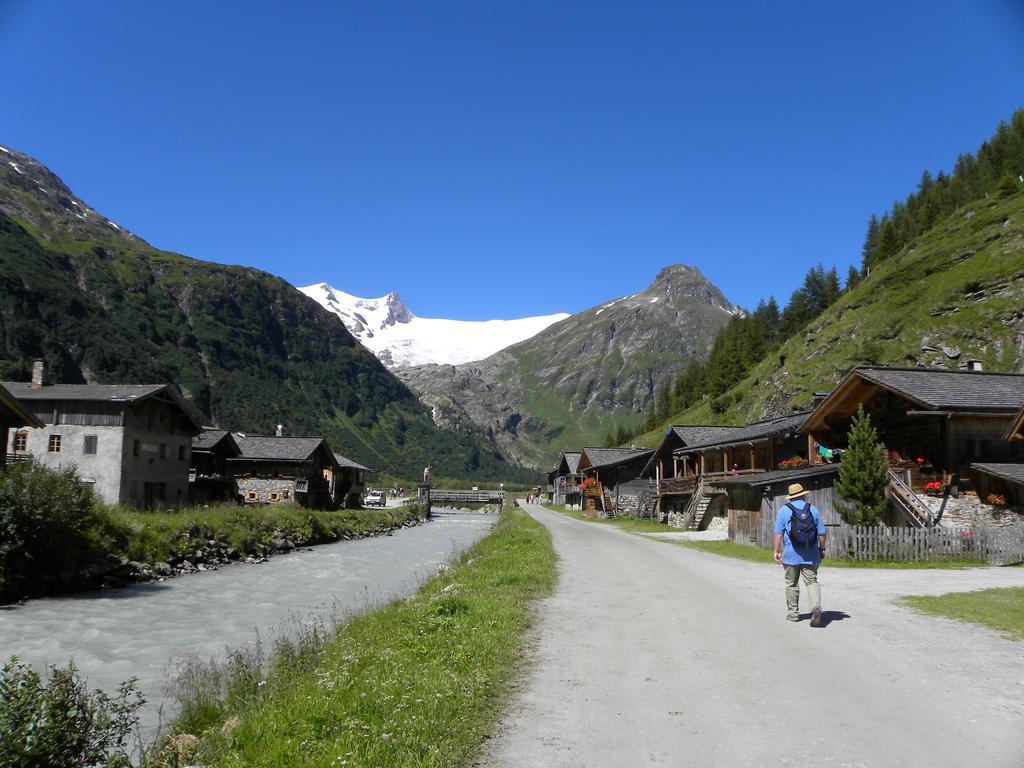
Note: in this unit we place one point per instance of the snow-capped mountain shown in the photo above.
(400, 339)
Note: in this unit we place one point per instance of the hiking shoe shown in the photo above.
(816, 617)
(793, 617)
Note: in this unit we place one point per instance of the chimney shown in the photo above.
(38, 369)
(974, 366)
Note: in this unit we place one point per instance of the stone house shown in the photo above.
(270, 470)
(131, 442)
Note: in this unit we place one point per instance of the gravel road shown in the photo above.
(651, 653)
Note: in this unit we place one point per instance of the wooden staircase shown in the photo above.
(914, 510)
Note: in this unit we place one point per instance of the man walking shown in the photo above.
(799, 546)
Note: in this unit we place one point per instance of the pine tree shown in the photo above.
(869, 251)
(863, 474)
(852, 278)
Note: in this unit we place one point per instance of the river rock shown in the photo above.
(163, 569)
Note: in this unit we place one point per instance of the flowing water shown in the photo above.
(143, 630)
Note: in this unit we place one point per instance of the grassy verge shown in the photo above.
(625, 523)
(419, 682)
(998, 609)
(168, 536)
(763, 555)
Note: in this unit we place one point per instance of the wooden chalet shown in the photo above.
(1004, 481)
(933, 423)
(210, 477)
(350, 480)
(270, 470)
(565, 480)
(691, 458)
(754, 498)
(606, 472)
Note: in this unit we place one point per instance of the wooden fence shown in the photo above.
(998, 546)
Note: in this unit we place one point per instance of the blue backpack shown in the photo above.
(803, 531)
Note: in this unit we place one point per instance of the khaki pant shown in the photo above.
(810, 575)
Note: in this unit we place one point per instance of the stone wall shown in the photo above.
(968, 511)
(260, 490)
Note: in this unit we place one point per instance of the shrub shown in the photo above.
(60, 723)
(50, 526)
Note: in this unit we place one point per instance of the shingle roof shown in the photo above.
(346, 462)
(24, 391)
(937, 389)
(98, 393)
(779, 476)
(1012, 472)
(604, 457)
(572, 461)
(208, 439)
(754, 431)
(277, 448)
(694, 434)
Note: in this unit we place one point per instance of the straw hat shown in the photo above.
(796, 491)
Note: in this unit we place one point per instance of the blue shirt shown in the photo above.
(790, 554)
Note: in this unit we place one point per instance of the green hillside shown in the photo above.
(942, 282)
(955, 293)
(247, 349)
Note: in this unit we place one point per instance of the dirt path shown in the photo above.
(651, 653)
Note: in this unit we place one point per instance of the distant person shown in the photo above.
(735, 470)
(799, 546)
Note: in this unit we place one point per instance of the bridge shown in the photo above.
(445, 495)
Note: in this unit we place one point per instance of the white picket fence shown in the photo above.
(997, 546)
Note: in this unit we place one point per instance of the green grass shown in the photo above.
(998, 609)
(755, 554)
(154, 536)
(419, 682)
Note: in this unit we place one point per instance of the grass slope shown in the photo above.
(958, 286)
(420, 682)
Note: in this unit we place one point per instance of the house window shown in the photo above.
(181, 453)
(273, 497)
(135, 447)
(20, 442)
(251, 496)
(163, 450)
(89, 445)
(285, 494)
(54, 445)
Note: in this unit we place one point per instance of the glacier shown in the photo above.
(400, 339)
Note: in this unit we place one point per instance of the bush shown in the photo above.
(50, 526)
(60, 724)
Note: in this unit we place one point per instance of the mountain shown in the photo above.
(578, 378)
(400, 339)
(247, 349)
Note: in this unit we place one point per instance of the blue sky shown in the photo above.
(498, 160)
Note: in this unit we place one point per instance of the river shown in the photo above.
(144, 630)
